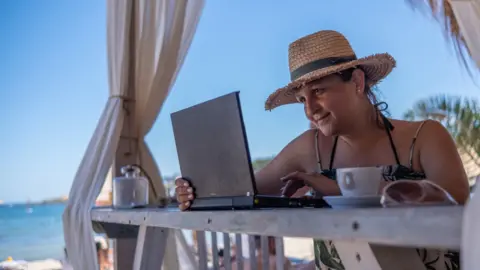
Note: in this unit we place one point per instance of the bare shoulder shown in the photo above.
(295, 156)
(300, 152)
(296, 152)
(426, 132)
(410, 127)
(434, 136)
(425, 128)
(302, 143)
(438, 158)
(432, 127)
(305, 142)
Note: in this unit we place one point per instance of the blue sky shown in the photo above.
(53, 76)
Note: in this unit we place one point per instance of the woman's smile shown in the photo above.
(320, 119)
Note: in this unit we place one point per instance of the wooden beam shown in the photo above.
(127, 152)
(394, 226)
(148, 237)
(280, 253)
(124, 253)
(252, 249)
(124, 249)
(115, 230)
(202, 250)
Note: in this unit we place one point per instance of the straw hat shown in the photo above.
(321, 54)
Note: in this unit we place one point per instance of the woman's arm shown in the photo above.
(289, 160)
(441, 162)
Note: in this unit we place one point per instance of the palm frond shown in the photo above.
(442, 11)
(460, 116)
(409, 115)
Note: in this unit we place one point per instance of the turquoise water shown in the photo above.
(35, 232)
(31, 232)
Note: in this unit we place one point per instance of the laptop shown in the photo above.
(213, 154)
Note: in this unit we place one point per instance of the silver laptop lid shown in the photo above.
(212, 147)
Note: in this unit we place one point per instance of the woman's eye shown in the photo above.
(301, 99)
(318, 91)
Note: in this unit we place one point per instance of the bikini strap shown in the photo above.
(388, 128)
(412, 146)
(317, 152)
(332, 154)
(381, 107)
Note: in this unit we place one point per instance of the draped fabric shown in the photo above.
(467, 13)
(147, 42)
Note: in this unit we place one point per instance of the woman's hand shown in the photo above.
(296, 180)
(184, 193)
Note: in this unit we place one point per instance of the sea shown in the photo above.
(31, 232)
(35, 232)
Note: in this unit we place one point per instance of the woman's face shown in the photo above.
(330, 103)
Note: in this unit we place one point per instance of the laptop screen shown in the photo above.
(212, 147)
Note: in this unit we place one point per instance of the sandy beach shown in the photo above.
(48, 264)
(299, 248)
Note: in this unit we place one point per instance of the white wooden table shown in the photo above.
(433, 227)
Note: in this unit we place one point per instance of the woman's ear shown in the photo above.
(358, 78)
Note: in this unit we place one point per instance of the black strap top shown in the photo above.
(390, 172)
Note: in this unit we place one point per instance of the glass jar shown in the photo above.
(131, 189)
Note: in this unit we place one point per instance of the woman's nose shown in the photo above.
(311, 108)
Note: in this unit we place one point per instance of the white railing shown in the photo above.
(362, 231)
(233, 253)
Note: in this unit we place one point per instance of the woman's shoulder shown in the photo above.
(302, 143)
(303, 139)
(414, 128)
(308, 138)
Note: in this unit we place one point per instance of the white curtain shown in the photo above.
(467, 13)
(163, 31)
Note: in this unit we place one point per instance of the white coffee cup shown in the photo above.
(360, 181)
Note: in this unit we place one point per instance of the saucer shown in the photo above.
(342, 202)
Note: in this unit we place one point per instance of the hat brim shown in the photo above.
(376, 68)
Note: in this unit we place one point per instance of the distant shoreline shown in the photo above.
(45, 202)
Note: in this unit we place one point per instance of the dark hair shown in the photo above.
(380, 107)
(346, 75)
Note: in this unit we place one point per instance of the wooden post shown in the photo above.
(148, 236)
(127, 152)
(202, 250)
(124, 249)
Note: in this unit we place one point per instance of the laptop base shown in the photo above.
(255, 202)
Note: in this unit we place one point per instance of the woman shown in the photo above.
(335, 88)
